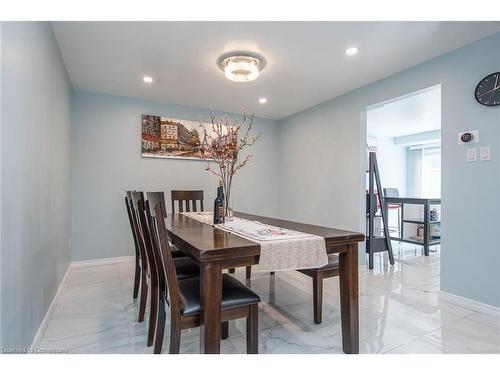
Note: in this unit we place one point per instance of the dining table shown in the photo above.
(215, 250)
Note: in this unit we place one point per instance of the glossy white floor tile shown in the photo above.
(400, 312)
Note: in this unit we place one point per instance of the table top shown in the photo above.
(205, 242)
(331, 235)
(415, 200)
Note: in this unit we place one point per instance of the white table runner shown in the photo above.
(281, 249)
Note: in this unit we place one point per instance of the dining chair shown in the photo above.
(143, 260)
(137, 274)
(317, 275)
(186, 268)
(183, 296)
(393, 193)
(182, 265)
(176, 253)
(187, 200)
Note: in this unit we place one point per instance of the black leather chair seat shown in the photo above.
(186, 268)
(234, 294)
(176, 253)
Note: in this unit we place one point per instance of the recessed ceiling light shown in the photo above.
(147, 79)
(351, 51)
(262, 100)
(241, 66)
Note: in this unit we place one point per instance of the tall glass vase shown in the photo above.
(229, 206)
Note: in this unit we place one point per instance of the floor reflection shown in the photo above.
(400, 312)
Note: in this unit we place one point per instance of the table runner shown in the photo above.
(281, 249)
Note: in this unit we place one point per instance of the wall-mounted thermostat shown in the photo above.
(471, 136)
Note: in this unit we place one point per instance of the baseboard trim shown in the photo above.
(101, 262)
(78, 264)
(470, 304)
(50, 312)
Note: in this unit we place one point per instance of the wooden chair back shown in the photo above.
(187, 200)
(128, 205)
(137, 231)
(144, 234)
(161, 239)
(391, 192)
(153, 199)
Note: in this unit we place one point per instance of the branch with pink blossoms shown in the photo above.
(224, 145)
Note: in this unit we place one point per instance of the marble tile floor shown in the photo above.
(400, 312)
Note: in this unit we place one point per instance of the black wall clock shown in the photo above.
(488, 90)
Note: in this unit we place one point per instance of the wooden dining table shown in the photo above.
(214, 250)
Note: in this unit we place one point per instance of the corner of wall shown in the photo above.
(39, 84)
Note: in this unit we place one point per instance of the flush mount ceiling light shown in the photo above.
(147, 79)
(241, 66)
(262, 100)
(351, 51)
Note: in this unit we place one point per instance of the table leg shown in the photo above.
(426, 229)
(210, 297)
(349, 299)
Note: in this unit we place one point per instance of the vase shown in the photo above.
(229, 209)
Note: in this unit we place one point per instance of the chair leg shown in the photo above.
(224, 330)
(153, 313)
(232, 270)
(317, 298)
(137, 278)
(248, 271)
(144, 297)
(160, 327)
(175, 337)
(253, 329)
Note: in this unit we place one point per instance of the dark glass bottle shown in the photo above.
(219, 205)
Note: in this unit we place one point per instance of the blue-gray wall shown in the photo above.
(322, 162)
(35, 177)
(106, 161)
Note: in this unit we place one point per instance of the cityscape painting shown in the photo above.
(171, 138)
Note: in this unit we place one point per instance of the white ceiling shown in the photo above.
(409, 115)
(306, 63)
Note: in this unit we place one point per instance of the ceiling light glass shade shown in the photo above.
(351, 51)
(241, 68)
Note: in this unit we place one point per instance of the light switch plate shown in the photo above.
(472, 154)
(484, 153)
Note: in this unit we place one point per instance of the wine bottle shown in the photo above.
(215, 204)
(219, 205)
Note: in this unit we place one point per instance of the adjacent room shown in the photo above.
(187, 187)
(404, 135)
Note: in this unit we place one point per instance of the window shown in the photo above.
(431, 172)
(424, 171)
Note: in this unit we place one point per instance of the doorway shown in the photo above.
(405, 135)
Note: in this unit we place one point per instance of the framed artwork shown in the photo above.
(173, 138)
